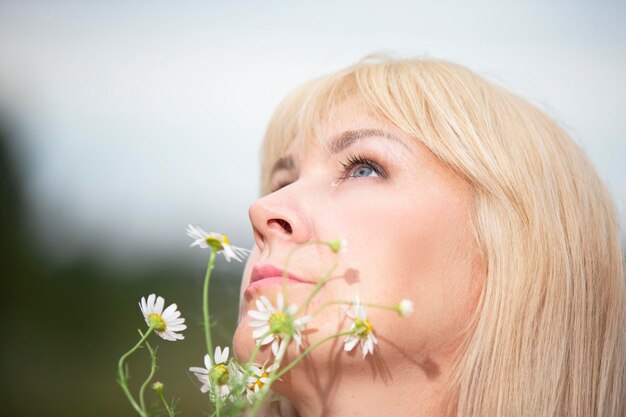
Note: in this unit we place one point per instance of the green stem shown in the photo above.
(380, 306)
(217, 398)
(257, 347)
(288, 259)
(207, 323)
(263, 393)
(330, 303)
(205, 304)
(122, 377)
(318, 286)
(170, 412)
(306, 352)
(149, 378)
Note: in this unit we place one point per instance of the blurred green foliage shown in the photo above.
(67, 325)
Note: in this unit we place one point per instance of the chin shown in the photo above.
(243, 343)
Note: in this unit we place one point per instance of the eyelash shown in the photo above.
(353, 161)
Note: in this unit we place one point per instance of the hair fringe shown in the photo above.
(548, 337)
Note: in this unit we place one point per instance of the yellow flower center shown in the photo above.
(219, 374)
(363, 327)
(258, 381)
(279, 323)
(217, 242)
(157, 322)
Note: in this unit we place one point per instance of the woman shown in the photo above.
(469, 201)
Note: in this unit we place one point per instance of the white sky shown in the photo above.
(143, 117)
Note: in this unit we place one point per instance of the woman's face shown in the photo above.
(406, 219)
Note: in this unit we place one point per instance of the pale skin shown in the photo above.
(407, 223)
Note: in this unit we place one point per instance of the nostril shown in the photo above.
(282, 223)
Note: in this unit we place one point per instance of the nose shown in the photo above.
(280, 217)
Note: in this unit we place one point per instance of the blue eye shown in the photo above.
(364, 168)
(364, 171)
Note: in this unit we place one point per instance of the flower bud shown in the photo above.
(338, 245)
(158, 387)
(405, 307)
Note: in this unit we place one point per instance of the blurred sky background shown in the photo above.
(140, 117)
(128, 120)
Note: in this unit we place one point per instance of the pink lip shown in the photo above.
(267, 271)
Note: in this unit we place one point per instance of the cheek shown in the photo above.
(416, 247)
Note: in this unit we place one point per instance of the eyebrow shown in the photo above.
(347, 138)
(338, 144)
(286, 162)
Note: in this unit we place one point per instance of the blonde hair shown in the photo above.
(548, 335)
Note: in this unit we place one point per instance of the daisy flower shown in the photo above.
(217, 372)
(273, 324)
(259, 374)
(362, 330)
(217, 242)
(166, 322)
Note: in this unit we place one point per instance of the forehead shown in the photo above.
(348, 123)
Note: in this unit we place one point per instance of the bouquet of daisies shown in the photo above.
(236, 388)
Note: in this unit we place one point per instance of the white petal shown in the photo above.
(256, 370)
(197, 370)
(275, 347)
(347, 311)
(171, 316)
(292, 309)
(258, 315)
(368, 347)
(260, 332)
(241, 252)
(207, 362)
(350, 343)
(257, 323)
(224, 356)
(204, 379)
(193, 232)
(227, 253)
(260, 306)
(280, 301)
(267, 303)
(198, 242)
(150, 304)
(158, 306)
(174, 336)
(167, 314)
(268, 339)
(205, 388)
(224, 390)
(230, 253)
(298, 339)
(302, 321)
(166, 336)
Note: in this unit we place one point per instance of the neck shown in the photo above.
(370, 388)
